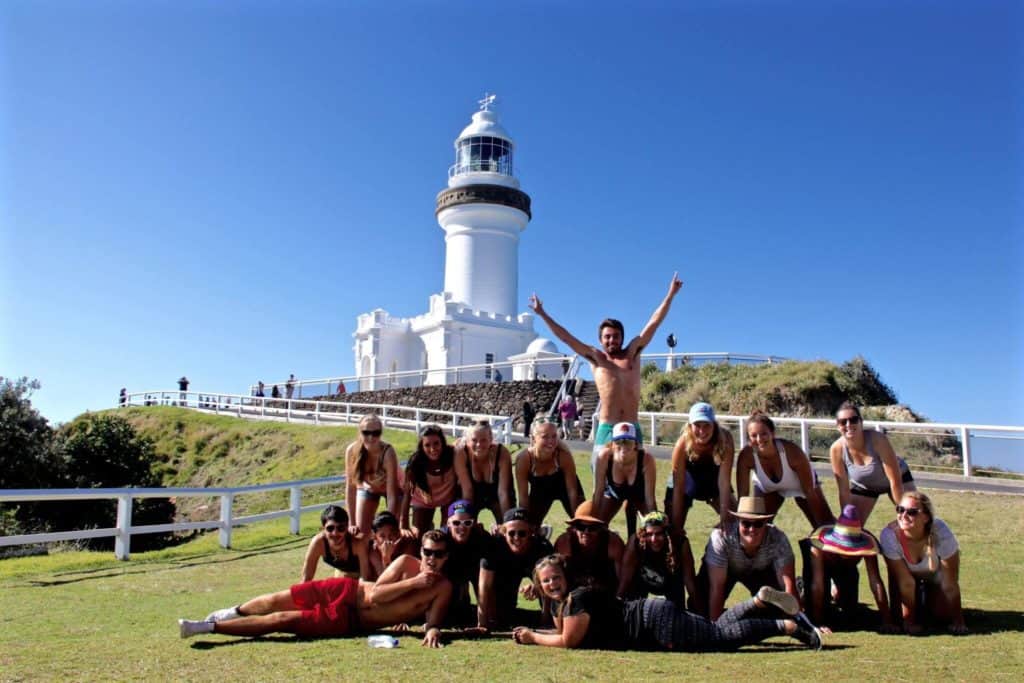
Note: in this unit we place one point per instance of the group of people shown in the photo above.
(595, 588)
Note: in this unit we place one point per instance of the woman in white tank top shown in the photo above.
(779, 469)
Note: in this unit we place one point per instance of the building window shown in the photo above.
(488, 358)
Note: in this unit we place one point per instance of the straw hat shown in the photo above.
(845, 537)
(751, 507)
(585, 513)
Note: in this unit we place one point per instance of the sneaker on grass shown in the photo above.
(807, 633)
(226, 614)
(187, 628)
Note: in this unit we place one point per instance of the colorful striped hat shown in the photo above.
(845, 537)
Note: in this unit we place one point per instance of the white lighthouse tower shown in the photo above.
(473, 321)
(482, 213)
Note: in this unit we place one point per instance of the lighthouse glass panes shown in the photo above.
(484, 153)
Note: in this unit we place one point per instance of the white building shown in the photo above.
(474, 320)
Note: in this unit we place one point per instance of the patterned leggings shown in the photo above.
(676, 629)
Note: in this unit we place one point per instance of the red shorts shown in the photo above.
(328, 606)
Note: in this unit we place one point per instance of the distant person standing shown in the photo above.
(567, 411)
(183, 388)
(275, 392)
(616, 367)
(341, 388)
(122, 398)
(497, 375)
(289, 386)
(528, 414)
(259, 389)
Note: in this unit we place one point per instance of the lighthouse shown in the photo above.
(482, 212)
(473, 320)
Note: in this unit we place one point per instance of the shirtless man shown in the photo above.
(407, 589)
(616, 367)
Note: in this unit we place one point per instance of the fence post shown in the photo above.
(455, 421)
(295, 499)
(965, 449)
(288, 412)
(743, 432)
(316, 413)
(654, 426)
(226, 500)
(419, 420)
(805, 437)
(384, 417)
(348, 413)
(123, 540)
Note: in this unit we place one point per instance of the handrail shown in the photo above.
(963, 431)
(123, 529)
(318, 412)
(680, 358)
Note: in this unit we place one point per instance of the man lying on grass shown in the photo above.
(342, 606)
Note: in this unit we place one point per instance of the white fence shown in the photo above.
(656, 423)
(539, 368)
(124, 530)
(320, 412)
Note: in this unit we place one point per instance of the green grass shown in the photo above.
(86, 616)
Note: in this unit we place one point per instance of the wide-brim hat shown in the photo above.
(751, 507)
(832, 538)
(585, 513)
(845, 537)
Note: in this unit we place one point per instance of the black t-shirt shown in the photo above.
(510, 569)
(464, 558)
(605, 631)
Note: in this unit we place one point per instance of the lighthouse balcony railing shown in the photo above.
(498, 166)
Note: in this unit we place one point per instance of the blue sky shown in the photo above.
(219, 189)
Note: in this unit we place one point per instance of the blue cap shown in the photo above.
(702, 412)
(462, 505)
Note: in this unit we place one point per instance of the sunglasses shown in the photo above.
(517, 533)
(371, 432)
(588, 528)
(846, 421)
(331, 528)
(431, 552)
(909, 512)
(752, 523)
(460, 522)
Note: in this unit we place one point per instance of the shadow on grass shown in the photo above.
(280, 638)
(171, 564)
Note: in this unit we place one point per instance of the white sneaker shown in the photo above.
(781, 599)
(226, 614)
(187, 628)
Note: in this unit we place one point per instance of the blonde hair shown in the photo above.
(717, 443)
(924, 502)
(559, 562)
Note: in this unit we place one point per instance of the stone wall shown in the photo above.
(492, 398)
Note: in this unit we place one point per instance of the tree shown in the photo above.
(104, 451)
(26, 455)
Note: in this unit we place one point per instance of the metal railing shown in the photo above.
(672, 423)
(320, 412)
(123, 530)
(543, 368)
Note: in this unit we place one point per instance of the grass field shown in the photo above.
(85, 616)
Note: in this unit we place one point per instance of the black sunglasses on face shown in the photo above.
(587, 528)
(517, 533)
(849, 421)
(371, 432)
(909, 512)
(331, 528)
(431, 552)
(752, 523)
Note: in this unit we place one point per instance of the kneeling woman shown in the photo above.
(923, 557)
(589, 618)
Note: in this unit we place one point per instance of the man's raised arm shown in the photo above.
(560, 332)
(647, 334)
